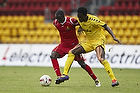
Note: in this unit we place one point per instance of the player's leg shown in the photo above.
(66, 69)
(71, 55)
(84, 47)
(54, 55)
(78, 49)
(90, 72)
(101, 57)
(69, 61)
(86, 67)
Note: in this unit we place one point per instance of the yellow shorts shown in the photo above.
(90, 45)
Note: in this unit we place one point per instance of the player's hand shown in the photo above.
(117, 40)
(80, 31)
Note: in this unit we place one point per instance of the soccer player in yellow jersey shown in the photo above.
(94, 30)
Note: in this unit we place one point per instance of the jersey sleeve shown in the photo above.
(74, 21)
(101, 23)
(98, 22)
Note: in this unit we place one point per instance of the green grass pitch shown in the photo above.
(26, 80)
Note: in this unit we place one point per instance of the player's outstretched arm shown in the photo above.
(107, 28)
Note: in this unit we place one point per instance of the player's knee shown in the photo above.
(101, 59)
(53, 56)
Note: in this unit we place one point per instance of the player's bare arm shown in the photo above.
(107, 28)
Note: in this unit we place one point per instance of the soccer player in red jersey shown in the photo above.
(66, 28)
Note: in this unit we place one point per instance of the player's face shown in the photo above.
(81, 17)
(60, 19)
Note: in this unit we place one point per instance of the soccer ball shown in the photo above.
(45, 80)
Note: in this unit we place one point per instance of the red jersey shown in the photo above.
(67, 31)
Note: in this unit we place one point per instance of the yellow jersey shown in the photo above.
(93, 28)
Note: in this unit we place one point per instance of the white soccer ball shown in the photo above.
(45, 80)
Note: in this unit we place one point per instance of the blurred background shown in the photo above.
(30, 21)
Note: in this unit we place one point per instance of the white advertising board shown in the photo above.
(119, 56)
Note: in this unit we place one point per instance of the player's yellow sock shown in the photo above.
(108, 69)
(68, 63)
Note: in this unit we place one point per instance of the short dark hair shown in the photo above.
(82, 10)
(59, 12)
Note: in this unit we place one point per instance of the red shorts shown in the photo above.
(62, 50)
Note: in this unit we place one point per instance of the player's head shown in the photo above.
(82, 14)
(59, 15)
